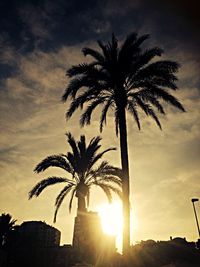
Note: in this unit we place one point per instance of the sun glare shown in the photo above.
(111, 218)
(112, 221)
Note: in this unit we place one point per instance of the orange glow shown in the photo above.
(111, 218)
(112, 221)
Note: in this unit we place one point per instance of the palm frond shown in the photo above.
(95, 54)
(73, 161)
(39, 187)
(147, 96)
(80, 69)
(85, 81)
(144, 58)
(104, 49)
(63, 192)
(110, 179)
(94, 142)
(53, 161)
(98, 171)
(111, 170)
(106, 190)
(140, 40)
(99, 156)
(115, 190)
(71, 141)
(82, 145)
(60, 199)
(124, 51)
(152, 114)
(104, 112)
(162, 94)
(86, 116)
(129, 51)
(148, 111)
(156, 103)
(93, 147)
(104, 170)
(159, 69)
(74, 85)
(132, 109)
(71, 200)
(85, 97)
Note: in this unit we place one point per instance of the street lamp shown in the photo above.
(195, 213)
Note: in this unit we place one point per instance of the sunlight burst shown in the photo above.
(111, 218)
(112, 221)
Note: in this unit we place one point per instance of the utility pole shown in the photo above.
(195, 214)
(196, 218)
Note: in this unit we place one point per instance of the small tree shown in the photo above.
(7, 226)
(80, 165)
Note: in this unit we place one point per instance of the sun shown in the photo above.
(111, 218)
(112, 221)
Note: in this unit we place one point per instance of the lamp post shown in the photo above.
(195, 213)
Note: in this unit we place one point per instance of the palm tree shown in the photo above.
(7, 225)
(80, 164)
(122, 79)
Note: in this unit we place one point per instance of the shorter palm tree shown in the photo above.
(7, 225)
(80, 165)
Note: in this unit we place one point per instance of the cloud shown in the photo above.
(8, 155)
(119, 7)
(164, 165)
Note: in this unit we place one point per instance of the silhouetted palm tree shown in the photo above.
(80, 164)
(122, 79)
(7, 225)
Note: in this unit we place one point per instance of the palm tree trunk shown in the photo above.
(81, 204)
(125, 181)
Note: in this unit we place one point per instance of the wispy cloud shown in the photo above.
(164, 164)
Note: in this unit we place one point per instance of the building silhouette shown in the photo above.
(38, 234)
(38, 245)
(3, 258)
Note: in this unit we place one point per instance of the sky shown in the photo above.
(39, 41)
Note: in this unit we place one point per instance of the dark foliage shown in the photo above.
(122, 77)
(7, 228)
(80, 165)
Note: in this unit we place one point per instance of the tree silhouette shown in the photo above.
(122, 79)
(7, 225)
(80, 164)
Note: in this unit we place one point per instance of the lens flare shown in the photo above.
(111, 218)
(112, 221)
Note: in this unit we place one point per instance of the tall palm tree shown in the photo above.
(7, 225)
(125, 78)
(80, 165)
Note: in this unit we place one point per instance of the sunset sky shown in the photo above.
(39, 41)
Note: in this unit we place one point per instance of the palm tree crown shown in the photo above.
(120, 78)
(7, 225)
(80, 164)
